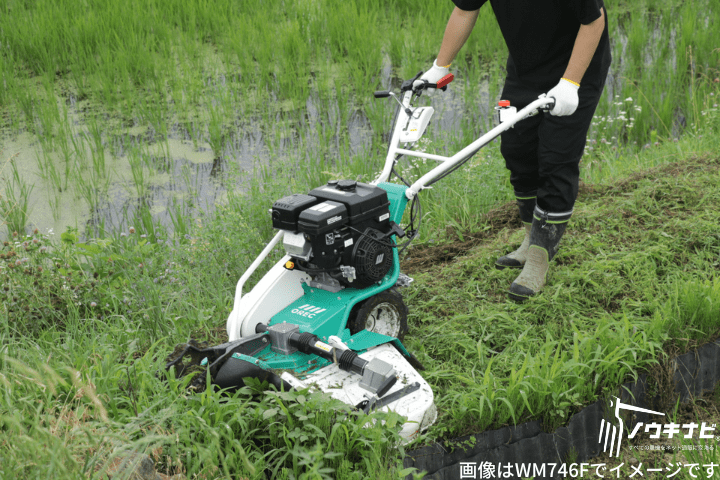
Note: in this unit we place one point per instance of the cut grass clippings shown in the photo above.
(637, 273)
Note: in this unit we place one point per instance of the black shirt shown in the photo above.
(540, 35)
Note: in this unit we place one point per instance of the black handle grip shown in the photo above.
(408, 84)
(381, 94)
(550, 105)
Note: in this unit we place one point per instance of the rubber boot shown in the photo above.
(516, 259)
(545, 234)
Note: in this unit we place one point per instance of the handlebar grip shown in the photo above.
(381, 94)
(550, 105)
(442, 83)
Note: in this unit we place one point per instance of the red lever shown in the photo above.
(504, 103)
(445, 80)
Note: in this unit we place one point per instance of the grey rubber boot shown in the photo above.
(516, 259)
(545, 234)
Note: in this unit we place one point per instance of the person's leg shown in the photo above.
(526, 206)
(561, 145)
(545, 233)
(519, 146)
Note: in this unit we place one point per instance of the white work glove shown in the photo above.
(432, 76)
(565, 94)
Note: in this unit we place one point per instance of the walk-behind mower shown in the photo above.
(329, 315)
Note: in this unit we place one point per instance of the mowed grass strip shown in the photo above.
(636, 275)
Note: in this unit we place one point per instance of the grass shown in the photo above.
(15, 207)
(637, 270)
(86, 320)
(100, 400)
(634, 278)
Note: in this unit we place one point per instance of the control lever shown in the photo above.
(374, 403)
(386, 93)
(443, 82)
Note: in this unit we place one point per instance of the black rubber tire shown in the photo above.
(388, 304)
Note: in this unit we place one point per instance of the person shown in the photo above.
(558, 47)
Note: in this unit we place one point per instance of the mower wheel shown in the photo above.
(384, 313)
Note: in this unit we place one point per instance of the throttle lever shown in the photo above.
(443, 82)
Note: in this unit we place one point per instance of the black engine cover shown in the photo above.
(367, 205)
(346, 224)
(372, 258)
(285, 212)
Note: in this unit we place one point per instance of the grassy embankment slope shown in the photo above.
(85, 327)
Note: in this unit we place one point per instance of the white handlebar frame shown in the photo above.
(253, 266)
(447, 162)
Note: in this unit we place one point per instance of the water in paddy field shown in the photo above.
(81, 178)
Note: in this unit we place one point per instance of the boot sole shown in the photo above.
(520, 297)
(517, 298)
(500, 266)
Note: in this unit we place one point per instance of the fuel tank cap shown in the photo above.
(346, 185)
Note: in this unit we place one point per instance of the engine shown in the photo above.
(338, 233)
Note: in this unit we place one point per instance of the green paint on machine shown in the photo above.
(325, 313)
(298, 363)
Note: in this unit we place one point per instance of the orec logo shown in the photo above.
(614, 433)
(308, 311)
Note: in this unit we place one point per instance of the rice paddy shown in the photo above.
(111, 113)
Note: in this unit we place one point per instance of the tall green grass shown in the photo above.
(15, 205)
(636, 273)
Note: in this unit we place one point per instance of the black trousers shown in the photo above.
(543, 152)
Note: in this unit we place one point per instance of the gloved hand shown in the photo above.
(566, 98)
(432, 76)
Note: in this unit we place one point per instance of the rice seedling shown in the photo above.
(14, 204)
(46, 108)
(137, 160)
(215, 129)
(93, 186)
(97, 149)
(46, 164)
(25, 100)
